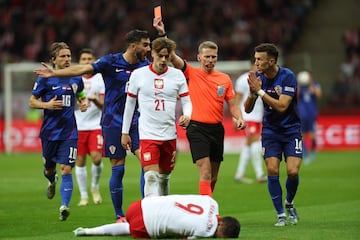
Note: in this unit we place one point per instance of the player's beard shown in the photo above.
(140, 56)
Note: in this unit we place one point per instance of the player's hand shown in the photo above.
(54, 104)
(126, 141)
(240, 124)
(254, 82)
(83, 104)
(45, 72)
(184, 121)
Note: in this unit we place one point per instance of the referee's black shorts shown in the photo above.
(206, 140)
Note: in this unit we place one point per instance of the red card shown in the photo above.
(157, 12)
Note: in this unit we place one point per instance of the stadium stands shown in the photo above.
(28, 27)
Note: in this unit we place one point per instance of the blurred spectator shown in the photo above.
(346, 89)
(309, 91)
(27, 27)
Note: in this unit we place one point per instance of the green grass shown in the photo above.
(328, 199)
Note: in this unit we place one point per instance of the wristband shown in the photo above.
(261, 93)
(162, 35)
(81, 95)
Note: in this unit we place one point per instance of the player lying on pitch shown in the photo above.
(171, 216)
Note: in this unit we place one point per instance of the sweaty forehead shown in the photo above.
(260, 55)
(64, 52)
(163, 52)
(144, 41)
(208, 52)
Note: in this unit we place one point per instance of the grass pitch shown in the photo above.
(328, 199)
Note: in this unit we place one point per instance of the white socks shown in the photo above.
(256, 158)
(164, 184)
(112, 229)
(96, 173)
(152, 181)
(243, 162)
(81, 178)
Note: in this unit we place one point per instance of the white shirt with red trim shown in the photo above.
(90, 119)
(242, 87)
(180, 215)
(157, 95)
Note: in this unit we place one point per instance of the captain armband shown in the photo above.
(81, 94)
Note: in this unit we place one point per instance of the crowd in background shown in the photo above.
(27, 28)
(346, 90)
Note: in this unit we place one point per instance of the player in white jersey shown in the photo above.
(90, 138)
(156, 88)
(252, 148)
(172, 216)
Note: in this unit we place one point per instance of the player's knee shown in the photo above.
(292, 173)
(272, 170)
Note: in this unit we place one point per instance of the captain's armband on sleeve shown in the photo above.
(81, 94)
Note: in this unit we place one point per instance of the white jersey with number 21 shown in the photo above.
(157, 95)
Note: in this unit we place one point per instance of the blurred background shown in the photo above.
(322, 36)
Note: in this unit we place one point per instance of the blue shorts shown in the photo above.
(275, 145)
(112, 147)
(61, 152)
(308, 125)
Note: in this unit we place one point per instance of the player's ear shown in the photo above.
(198, 57)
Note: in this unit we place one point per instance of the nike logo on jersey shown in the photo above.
(119, 70)
(71, 160)
(55, 87)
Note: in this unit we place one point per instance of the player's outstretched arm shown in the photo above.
(45, 72)
(71, 71)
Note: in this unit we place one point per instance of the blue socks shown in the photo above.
(275, 191)
(116, 189)
(66, 189)
(50, 178)
(291, 188)
(142, 183)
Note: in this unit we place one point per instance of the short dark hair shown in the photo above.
(86, 50)
(160, 43)
(135, 36)
(269, 48)
(231, 227)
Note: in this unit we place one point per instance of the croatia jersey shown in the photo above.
(274, 122)
(90, 120)
(184, 215)
(308, 102)
(157, 96)
(58, 124)
(242, 87)
(116, 72)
